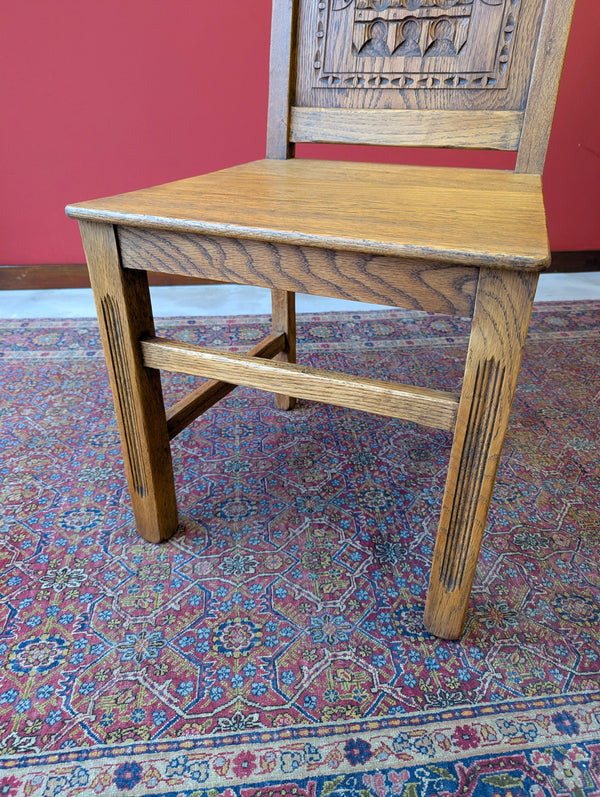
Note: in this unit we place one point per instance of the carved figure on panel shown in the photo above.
(410, 32)
(443, 39)
(415, 43)
(376, 44)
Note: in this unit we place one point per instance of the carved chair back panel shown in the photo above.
(416, 54)
(480, 74)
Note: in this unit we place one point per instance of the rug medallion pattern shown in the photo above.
(275, 645)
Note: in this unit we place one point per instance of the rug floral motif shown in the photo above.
(275, 646)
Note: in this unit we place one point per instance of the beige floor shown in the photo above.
(214, 300)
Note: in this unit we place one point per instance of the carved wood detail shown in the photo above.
(484, 409)
(414, 44)
(133, 448)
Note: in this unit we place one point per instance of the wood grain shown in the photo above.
(435, 85)
(36, 277)
(125, 315)
(204, 397)
(283, 321)
(527, 72)
(343, 275)
(500, 320)
(281, 77)
(429, 407)
(459, 216)
(453, 129)
(543, 88)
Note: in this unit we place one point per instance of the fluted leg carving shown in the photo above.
(125, 315)
(500, 321)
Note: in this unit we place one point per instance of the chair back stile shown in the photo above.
(281, 75)
(471, 74)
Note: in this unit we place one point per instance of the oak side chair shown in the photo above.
(479, 74)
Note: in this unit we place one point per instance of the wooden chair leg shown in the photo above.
(500, 320)
(125, 315)
(284, 320)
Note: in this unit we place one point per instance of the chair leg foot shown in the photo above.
(284, 320)
(125, 315)
(500, 320)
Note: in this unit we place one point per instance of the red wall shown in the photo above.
(106, 96)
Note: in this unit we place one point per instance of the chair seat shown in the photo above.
(473, 217)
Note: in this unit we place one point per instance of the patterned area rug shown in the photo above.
(275, 647)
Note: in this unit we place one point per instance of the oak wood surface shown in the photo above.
(451, 129)
(283, 321)
(332, 72)
(500, 320)
(435, 408)
(450, 82)
(124, 316)
(75, 275)
(187, 409)
(406, 283)
(463, 216)
(281, 77)
(543, 89)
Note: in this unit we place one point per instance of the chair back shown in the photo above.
(479, 74)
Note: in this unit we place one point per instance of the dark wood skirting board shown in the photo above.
(566, 262)
(73, 275)
(38, 277)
